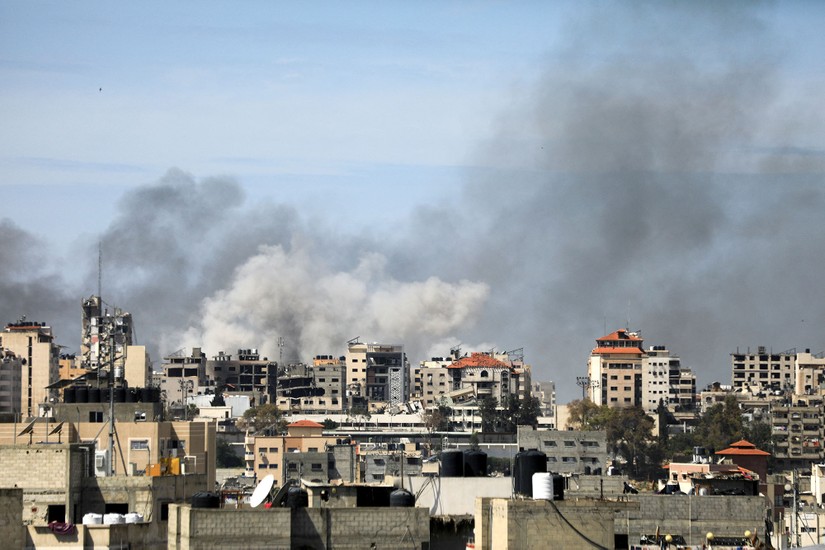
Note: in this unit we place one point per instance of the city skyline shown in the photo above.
(502, 176)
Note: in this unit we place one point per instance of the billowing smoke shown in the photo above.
(660, 174)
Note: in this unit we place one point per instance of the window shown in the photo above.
(139, 444)
(273, 466)
(568, 459)
(549, 443)
(316, 467)
(569, 443)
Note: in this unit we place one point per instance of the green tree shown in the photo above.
(581, 414)
(522, 412)
(630, 434)
(225, 456)
(330, 424)
(474, 441)
(266, 419)
(721, 425)
(488, 411)
(437, 419)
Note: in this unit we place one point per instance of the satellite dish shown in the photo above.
(261, 492)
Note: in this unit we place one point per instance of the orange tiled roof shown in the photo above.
(743, 448)
(478, 359)
(620, 335)
(305, 424)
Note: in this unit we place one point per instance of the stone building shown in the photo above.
(38, 353)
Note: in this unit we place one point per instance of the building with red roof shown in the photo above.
(614, 370)
(745, 455)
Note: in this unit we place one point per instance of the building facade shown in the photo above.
(763, 370)
(39, 355)
(614, 370)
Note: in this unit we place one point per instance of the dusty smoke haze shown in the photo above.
(659, 173)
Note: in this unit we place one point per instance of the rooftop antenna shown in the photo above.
(280, 350)
(100, 270)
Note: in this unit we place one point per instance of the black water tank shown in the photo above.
(82, 394)
(452, 464)
(120, 395)
(206, 500)
(131, 395)
(296, 498)
(94, 395)
(475, 464)
(401, 498)
(558, 487)
(528, 463)
(151, 394)
(69, 395)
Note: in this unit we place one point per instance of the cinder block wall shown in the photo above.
(12, 532)
(339, 528)
(693, 516)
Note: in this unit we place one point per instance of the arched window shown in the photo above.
(484, 374)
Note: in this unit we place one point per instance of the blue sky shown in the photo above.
(283, 96)
(497, 174)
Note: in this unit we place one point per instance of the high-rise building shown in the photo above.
(379, 372)
(614, 370)
(39, 355)
(11, 369)
(763, 370)
(104, 335)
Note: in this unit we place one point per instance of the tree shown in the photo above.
(438, 419)
(522, 412)
(488, 411)
(226, 456)
(581, 413)
(630, 434)
(721, 425)
(218, 400)
(266, 419)
(474, 441)
(330, 424)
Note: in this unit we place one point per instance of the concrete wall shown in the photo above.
(284, 528)
(515, 524)
(692, 516)
(456, 496)
(134, 536)
(11, 518)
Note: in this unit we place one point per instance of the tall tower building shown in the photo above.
(614, 370)
(39, 356)
(379, 372)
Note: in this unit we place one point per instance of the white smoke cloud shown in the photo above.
(298, 296)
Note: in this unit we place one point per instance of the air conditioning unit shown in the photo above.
(102, 463)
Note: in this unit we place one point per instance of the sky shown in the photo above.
(494, 175)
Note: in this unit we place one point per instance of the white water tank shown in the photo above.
(92, 519)
(113, 519)
(543, 486)
(133, 517)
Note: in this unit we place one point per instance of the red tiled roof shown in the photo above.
(478, 359)
(305, 424)
(620, 335)
(743, 447)
(634, 351)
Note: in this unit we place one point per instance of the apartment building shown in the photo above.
(33, 343)
(303, 451)
(378, 372)
(183, 376)
(568, 451)
(477, 375)
(763, 370)
(246, 373)
(614, 370)
(11, 369)
(810, 373)
(797, 431)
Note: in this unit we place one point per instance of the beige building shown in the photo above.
(378, 372)
(810, 373)
(763, 370)
(138, 447)
(477, 375)
(34, 344)
(614, 370)
(266, 455)
(11, 368)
